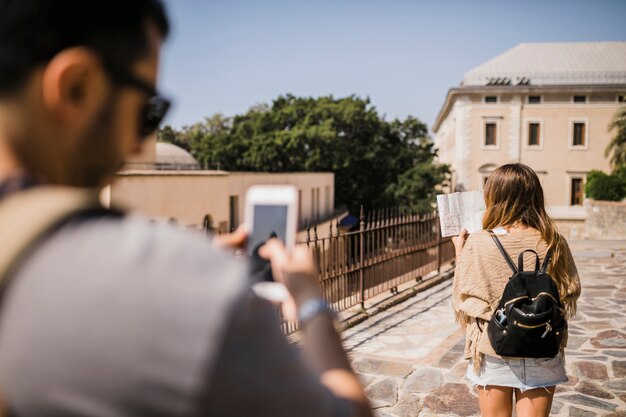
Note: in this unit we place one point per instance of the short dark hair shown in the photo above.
(33, 31)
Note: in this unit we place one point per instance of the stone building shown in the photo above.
(547, 105)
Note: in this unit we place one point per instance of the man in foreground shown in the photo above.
(110, 315)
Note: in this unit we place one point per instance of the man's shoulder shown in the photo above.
(130, 303)
(132, 255)
(134, 242)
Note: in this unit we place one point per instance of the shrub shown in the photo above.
(601, 186)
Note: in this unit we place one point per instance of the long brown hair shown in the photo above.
(514, 196)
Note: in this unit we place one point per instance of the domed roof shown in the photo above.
(169, 156)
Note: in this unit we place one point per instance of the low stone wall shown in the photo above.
(606, 220)
(571, 229)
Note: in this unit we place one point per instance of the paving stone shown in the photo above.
(616, 414)
(609, 339)
(382, 367)
(621, 396)
(459, 370)
(556, 407)
(619, 368)
(452, 399)
(575, 342)
(365, 379)
(596, 325)
(449, 359)
(581, 399)
(595, 358)
(423, 380)
(408, 406)
(617, 384)
(589, 388)
(562, 388)
(383, 393)
(591, 370)
(577, 412)
(383, 412)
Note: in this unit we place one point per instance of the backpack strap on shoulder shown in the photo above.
(520, 260)
(503, 251)
(546, 262)
(28, 215)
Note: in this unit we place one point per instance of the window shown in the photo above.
(621, 99)
(576, 196)
(485, 179)
(534, 132)
(534, 99)
(580, 99)
(491, 99)
(490, 134)
(578, 138)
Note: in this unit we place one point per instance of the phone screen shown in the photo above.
(268, 221)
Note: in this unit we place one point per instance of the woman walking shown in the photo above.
(515, 213)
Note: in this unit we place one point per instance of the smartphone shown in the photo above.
(270, 212)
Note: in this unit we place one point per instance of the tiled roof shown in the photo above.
(582, 63)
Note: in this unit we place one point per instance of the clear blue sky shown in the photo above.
(225, 56)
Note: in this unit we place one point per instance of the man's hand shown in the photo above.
(459, 242)
(295, 269)
(321, 343)
(233, 241)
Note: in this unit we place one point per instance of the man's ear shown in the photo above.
(74, 87)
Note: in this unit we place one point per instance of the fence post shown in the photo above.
(361, 257)
(438, 243)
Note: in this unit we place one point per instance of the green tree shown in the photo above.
(601, 186)
(617, 145)
(376, 163)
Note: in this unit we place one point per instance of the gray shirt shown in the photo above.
(118, 317)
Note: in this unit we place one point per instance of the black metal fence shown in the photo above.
(388, 248)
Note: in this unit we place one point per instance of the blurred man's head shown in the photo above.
(76, 82)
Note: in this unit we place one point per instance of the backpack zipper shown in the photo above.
(534, 326)
(545, 293)
(515, 299)
(531, 299)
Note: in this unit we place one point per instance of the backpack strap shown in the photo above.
(546, 262)
(520, 260)
(28, 215)
(503, 251)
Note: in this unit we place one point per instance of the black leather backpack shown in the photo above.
(528, 322)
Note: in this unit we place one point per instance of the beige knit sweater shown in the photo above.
(481, 275)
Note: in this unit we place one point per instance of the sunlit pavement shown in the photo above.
(410, 356)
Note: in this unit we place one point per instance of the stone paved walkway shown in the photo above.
(410, 356)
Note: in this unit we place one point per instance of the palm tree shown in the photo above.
(617, 146)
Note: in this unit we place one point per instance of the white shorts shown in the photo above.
(523, 373)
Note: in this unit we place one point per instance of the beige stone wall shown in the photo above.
(189, 196)
(556, 157)
(571, 229)
(606, 220)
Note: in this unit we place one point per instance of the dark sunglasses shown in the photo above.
(155, 109)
